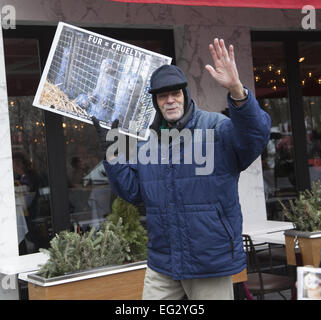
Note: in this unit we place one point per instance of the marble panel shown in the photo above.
(8, 225)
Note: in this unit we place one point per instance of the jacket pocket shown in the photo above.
(156, 229)
(209, 242)
(227, 227)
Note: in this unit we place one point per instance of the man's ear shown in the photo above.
(185, 98)
(154, 98)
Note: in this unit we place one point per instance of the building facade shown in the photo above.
(61, 155)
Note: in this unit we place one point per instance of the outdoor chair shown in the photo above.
(275, 256)
(260, 283)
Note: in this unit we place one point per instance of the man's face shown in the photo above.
(171, 104)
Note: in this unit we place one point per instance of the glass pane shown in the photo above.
(88, 187)
(28, 145)
(272, 93)
(310, 71)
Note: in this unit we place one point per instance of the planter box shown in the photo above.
(310, 246)
(123, 282)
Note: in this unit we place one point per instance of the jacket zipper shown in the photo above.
(226, 230)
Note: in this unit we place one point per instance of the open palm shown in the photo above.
(224, 70)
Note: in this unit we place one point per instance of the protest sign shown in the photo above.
(87, 74)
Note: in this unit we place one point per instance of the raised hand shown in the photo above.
(224, 70)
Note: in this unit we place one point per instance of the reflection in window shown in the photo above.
(310, 72)
(88, 187)
(272, 94)
(28, 141)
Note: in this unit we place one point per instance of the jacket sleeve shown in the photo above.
(123, 179)
(247, 130)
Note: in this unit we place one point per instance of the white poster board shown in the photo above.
(309, 283)
(87, 74)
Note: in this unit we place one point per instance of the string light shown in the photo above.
(272, 83)
(64, 125)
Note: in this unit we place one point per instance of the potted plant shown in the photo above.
(99, 264)
(305, 213)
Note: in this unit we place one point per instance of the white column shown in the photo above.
(8, 224)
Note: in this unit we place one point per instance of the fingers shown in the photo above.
(115, 124)
(95, 122)
(218, 50)
(223, 48)
(231, 53)
(214, 54)
(211, 70)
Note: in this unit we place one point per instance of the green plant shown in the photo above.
(305, 211)
(133, 231)
(71, 251)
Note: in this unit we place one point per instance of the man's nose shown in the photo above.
(170, 98)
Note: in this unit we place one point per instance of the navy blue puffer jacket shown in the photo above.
(194, 221)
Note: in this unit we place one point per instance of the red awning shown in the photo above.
(284, 4)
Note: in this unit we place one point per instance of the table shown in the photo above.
(273, 237)
(19, 264)
(265, 227)
(10, 267)
(267, 231)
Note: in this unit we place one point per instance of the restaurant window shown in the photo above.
(287, 76)
(63, 153)
(28, 138)
(272, 94)
(310, 76)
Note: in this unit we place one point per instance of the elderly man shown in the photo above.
(194, 221)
